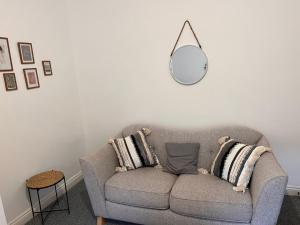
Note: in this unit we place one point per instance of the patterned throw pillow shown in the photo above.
(235, 162)
(134, 152)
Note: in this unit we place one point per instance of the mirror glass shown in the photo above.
(188, 64)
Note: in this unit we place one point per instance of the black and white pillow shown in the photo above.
(235, 162)
(133, 151)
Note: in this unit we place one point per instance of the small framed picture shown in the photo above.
(31, 78)
(10, 81)
(26, 53)
(47, 68)
(5, 57)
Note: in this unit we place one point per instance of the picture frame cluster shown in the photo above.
(26, 58)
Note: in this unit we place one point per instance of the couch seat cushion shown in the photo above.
(209, 197)
(143, 187)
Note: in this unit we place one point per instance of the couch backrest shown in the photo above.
(207, 137)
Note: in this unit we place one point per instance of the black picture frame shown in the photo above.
(5, 55)
(47, 68)
(32, 81)
(26, 53)
(10, 81)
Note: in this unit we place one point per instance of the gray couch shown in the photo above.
(151, 196)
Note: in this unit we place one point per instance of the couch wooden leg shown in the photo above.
(100, 220)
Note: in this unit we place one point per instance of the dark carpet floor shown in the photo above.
(81, 211)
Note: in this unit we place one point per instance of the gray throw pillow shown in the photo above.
(182, 158)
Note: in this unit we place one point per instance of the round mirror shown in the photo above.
(188, 64)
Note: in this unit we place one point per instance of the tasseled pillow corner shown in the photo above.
(146, 131)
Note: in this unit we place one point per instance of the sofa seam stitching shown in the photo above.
(165, 193)
(172, 196)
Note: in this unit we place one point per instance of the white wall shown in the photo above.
(40, 129)
(121, 51)
(121, 55)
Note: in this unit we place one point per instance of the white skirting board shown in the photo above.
(24, 217)
(293, 190)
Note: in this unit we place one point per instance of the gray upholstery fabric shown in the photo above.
(263, 142)
(96, 170)
(144, 187)
(136, 214)
(182, 158)
(207, 137)
(157, 217)
(176, 219)
(267, 188)
(213, 198)
(209, 197)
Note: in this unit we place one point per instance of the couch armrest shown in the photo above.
(267, 187)
(96, 169)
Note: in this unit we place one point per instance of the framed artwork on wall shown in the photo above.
(10, 81)
(5, 57)
(26, 53)
(47, 68)
(31, 78)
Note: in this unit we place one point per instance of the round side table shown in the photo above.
(46, 180)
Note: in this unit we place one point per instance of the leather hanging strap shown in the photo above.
(185, 22)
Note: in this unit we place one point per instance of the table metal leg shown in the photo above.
(67, 195)
(40, 206)
(44, 213)
(30, 202)
(56, 194)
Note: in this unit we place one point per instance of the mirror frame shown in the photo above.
(172, 72)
